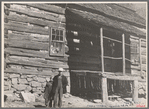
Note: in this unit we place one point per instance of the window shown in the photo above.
(135, 51)
(57, 42)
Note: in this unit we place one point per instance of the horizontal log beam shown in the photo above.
(109, 75)
(36, 13)
(82, 59)
(84, 48)
(37, 60)
(29, 72)
(24, 28)
(77, 27)
(143, 44)
(143, 59)
(128, 78)
(35, 64)
(50, 8)
(82, 66)
(36, 21)
(33, 53)
(28, 37)
(83, 33)
(27, 44)
(83, 53)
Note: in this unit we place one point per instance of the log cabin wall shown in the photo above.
(138, 56)
(84, 44)
(26, 41)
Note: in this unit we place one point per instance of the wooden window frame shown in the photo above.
(57, 41)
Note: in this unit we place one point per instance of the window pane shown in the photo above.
(53, 31)
(53, 37)
(57, 48)
(61, 38)
(61, 32)
(57, 37)
(57, 32)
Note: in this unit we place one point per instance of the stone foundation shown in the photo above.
(27, 83)
(142, 89)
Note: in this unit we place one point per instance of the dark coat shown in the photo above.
(64, 83)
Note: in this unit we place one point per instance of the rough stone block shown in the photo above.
(23, 76)
(36, 95)
(35, 84)
(6, 75)
(43, 84)
(18, 91)
(30, 76)
(8, 92)
(37, 92)
(6, 88)
(23, 81)
(35, 78)
(40, 99)
(13, 89)
(29, 79)
(141, 91)
(14, 75)
(34, 89)
(39, 88)
(20, 87)
(41, 79)
(9, 97)
(5, 78)
(14, 80)
(28, 89)
(27, 97)
(48, 79)
(7, 83)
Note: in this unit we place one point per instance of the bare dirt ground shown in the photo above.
(70, 101)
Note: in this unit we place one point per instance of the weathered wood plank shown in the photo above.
(36, 60)
(143, 51)
(28, 37)
(82, 48)
(77, 27)
(130, 78)
(30, 72)
(102, 55)
(33, 53)
(123, 48)
(104, 90)
(144, 67)
(50, 8)
(143, 59)
(27, 44)
(35, 64)
(140, 55)
(25, 28)
(135, 67)
(143, 44)
(79, 66)
(36, 13)
(82, 33)
(135, 91)
(83, 53)
(84, 59)
(26, 19)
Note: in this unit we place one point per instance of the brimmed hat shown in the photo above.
(60, 69)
